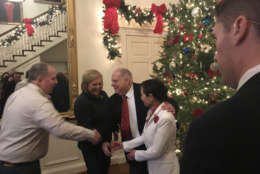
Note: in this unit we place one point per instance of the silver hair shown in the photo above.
(125, 73)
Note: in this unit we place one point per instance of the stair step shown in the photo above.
(54, 36)
(19, 55)
(3, 66)
(9, 61)
(46, 40)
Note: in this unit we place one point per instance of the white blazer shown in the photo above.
(159, 138)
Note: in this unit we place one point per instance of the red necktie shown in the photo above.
(125, 124)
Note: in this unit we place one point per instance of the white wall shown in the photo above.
(91, 52)
(32, 9)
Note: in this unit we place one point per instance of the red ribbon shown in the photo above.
(110, 19)
(159, 11)
(28, 24)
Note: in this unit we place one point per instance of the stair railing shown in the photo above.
(16, 42)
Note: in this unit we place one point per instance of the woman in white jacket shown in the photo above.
(159, 132)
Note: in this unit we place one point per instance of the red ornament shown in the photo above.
(212, 73)
(181, 27)
(156, 119)
(187, 37)
(29, 28)
(197, 113)
(193, 76)
(111, 17)
(176, 39)
(159, 11)
(138, 10)
(200, 36)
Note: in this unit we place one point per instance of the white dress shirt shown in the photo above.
(247, 75)
(132, 112)
(28, 118)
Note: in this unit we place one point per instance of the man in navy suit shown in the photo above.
(226, 139)
(123, 85)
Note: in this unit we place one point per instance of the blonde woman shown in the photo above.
(90, 112)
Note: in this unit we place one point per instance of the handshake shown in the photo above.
(108, 148)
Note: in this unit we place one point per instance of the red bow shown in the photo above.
(28, 24)
(159, 11)
(110, 19)
(212, 73)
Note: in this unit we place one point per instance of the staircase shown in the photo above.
(17, 48)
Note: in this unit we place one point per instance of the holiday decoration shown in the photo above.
(20, 29)
(159, 11)
(29, 28)
(111, 19)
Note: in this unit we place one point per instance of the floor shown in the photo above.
(118, 169)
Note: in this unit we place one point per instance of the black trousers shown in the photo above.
(96, 161)
(22, 168)
(138, 167)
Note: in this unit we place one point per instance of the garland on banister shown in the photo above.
(22, 28)
(140, 16)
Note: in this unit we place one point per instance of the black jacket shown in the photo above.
(90, 112)
(226, 139)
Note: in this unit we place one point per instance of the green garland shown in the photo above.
(20, 29)
(139, 15)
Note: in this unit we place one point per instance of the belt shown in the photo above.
(9, 164)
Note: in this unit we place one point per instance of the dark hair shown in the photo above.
(156, 88)
(228, 10)
(39, 69)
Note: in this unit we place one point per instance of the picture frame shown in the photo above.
(11, 12)
(52, 2)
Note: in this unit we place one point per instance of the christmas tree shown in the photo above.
(186, 64)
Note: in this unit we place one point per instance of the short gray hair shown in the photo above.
(125, 73)
(88, 77)
(38, 69)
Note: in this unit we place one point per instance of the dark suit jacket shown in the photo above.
(114, 110)
(226, 139)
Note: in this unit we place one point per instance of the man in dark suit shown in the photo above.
(226, 138)
(123, 85)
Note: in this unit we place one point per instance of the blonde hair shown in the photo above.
(88, 77)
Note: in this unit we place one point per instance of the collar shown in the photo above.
(154, 107)
(37, 88)
(130, 92)
(152, 113)
(247, 75)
